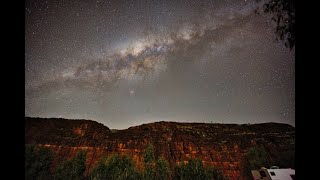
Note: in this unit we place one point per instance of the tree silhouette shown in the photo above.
(283, 14)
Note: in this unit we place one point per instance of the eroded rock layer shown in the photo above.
(219, 145)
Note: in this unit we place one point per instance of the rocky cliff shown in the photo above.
(220, 145)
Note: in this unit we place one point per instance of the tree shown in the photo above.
(255, 158)
(80, 164)
(258, 157)
(117, 167)
(214, 173)
(38, 161)
(100, 171)
(283, 14)
(73, 168)
(121, 167)
(149, 162)
(148, 156)
(286, 158)
(194, 169)
(162, 169)
(177, 172)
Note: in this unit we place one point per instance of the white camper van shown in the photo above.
(274, 173)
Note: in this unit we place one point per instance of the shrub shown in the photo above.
(115, 168)
(100, 171)
(149, 162)
(255, 158)
(214, 173)
(286, 158)
(194, 170)
(73, 168)
(162, 170)
(38, 161)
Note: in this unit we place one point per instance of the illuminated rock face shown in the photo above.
(219, 145)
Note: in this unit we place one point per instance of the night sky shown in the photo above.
(125, 63)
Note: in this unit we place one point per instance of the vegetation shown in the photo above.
(100, 171)
(38, 161)
(73, 168)
(214, 173)
(194, 170)
(115, 167)
(258, 157)
(286, 158)
(149, 162)
(255, 158)
(162, 169)
(283, 14)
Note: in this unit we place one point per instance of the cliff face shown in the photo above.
(221, 145)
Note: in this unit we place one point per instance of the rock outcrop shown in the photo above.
(219, 145)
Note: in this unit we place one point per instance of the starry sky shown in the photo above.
(128, 62)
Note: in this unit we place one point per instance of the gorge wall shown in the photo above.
(219, 145)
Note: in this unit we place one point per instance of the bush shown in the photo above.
(73, 168)
(100, 171)
(149, 162)
(194, 170)
(148, 156)
(255, 158)
(115, 168)
(38, 161)
(162, 170)
(286, 158)
(213, 173)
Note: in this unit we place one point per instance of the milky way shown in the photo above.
(124, 63)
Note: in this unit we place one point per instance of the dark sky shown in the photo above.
(124, 63)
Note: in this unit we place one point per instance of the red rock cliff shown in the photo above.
(220, 145)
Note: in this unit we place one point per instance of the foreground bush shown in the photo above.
(73, 168)
(194, 170)
(38, 161)
(117, 167)
(255, 158)
(162, 169)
